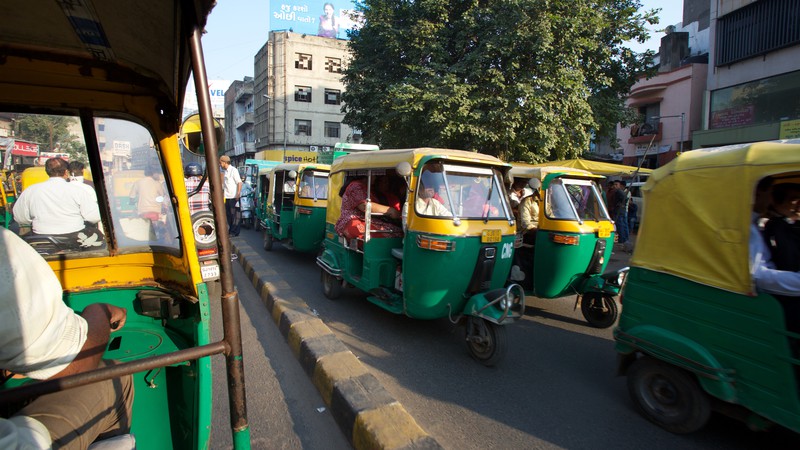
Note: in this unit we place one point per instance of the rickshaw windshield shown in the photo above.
(571, 199)
(464, 191)
(314, 184)
(138, 197)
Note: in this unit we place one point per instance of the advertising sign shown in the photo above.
(315, 17)
(216, 90)
(291, 156)
(790, 129)
(22, 148)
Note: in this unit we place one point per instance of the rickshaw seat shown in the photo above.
(397, 253)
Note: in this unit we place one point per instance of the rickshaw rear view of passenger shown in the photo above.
(428, 233)
(569, 248)
(699, 331)
(294, 206)
(79, 64)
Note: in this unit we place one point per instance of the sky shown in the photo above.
(236, 29)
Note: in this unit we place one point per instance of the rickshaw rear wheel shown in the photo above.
(600, 310)
(268, 240)
(331, 286)
(668, 396)
(487, 342)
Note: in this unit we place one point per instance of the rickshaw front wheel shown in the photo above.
(668, 396)
(600, 310)
(487, 341)
(268, 240)
(331, 286)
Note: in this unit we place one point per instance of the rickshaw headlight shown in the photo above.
(506, 301)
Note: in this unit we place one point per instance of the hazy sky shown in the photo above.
(236, 30)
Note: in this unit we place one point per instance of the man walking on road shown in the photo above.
(232, 188)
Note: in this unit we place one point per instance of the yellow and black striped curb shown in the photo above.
(365, 411)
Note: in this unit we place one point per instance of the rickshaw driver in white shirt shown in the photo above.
(56, 206)
(766, 276)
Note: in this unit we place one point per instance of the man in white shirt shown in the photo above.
(232, 188)
(56, 206)
(42, 338)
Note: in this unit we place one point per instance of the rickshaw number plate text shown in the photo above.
(209, 272)
(604, 232)
(488, 236)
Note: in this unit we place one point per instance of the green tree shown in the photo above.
(520, 79)
(50, 132)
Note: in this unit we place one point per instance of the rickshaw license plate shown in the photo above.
(209, 272)
(489, 236)
(604, 232)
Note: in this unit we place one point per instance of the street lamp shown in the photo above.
(683, 120)
(285, 113)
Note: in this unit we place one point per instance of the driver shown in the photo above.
(426, 203)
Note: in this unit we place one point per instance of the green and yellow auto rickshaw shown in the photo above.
(297, 196)
(8, 194)
(449, 254)
(696, 333)
(90, 66)
(569, 251)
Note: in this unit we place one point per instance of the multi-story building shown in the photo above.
(298, 96)
(239, 115)
(753, 91)
(670, 104)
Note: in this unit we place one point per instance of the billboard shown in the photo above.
(216, 90)
(315, 17)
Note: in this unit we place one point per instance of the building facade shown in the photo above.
(753, 91)
(240, 120)
(298, 96)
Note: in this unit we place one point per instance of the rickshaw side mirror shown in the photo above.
(292, 174)
(191, 135)
(403, 169)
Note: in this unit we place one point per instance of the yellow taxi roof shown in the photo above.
(297, 167)
(390, 158)
(523, 170)
(597, 167)
(697, 211)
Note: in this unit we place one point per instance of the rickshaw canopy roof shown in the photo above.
(523, 170)
(390, 158)
(698, 209)
(297, 167)
(596, 167)
(50, 44)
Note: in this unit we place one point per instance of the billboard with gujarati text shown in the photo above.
(315, 17)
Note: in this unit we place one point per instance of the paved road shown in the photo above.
(282, 404)
(556, 388)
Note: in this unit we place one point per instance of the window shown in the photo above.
(454, 190)
(756, 29)
(768, 100)
(333, 96)
(332, 129)
(332, 65)
(314, 184)
(302, 61)
(302, 127)
(302, 94)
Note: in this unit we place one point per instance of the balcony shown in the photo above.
(244, 119)
(645, 132)
(244, 93)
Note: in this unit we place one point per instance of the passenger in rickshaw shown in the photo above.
(42, 338)
(783, 284)
(478, 202)
(352, 224)
(76, 174)
(427, 203)
(782, 229)
(529, 215)
(59, 208)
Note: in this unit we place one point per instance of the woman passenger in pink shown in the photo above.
(351, 223)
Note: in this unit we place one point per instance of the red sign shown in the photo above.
(733, 117)
(22, 148)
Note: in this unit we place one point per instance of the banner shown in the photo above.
(322, 18)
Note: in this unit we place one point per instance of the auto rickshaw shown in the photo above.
(572, 245)
(83, 63)
(8, 194)
(297, 196)
(453, 264)
(696, 333)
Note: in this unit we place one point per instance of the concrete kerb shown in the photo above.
(364, 410)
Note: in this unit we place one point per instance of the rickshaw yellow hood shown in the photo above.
(697, 212)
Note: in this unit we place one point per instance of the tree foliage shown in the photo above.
(52, 133)
(520, 79)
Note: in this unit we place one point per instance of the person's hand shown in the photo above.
(117, 317)
(393, 213)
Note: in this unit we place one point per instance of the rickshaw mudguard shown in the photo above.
(486, 306)
(328, 262)
(682, 352)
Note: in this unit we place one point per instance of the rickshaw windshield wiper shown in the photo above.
(487, 205)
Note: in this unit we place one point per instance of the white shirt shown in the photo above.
(432, 207)
(231, 181)
(766, 277)
(56, 207)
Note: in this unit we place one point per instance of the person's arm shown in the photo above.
(90, 211)
(22, 211)
(526, 214)
(377, 208)
(101, 319)
(766, 277)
